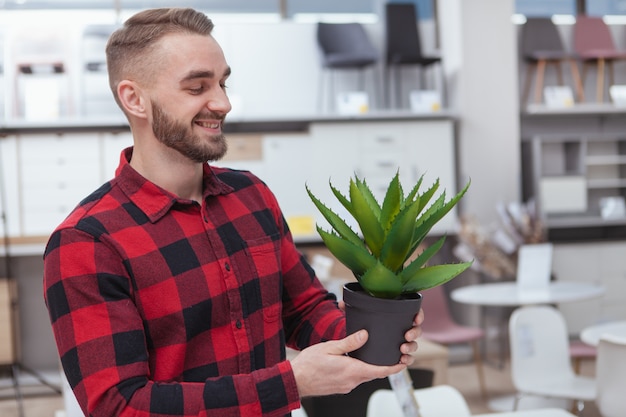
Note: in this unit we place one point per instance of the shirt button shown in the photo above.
(238, 324)
(227, 266)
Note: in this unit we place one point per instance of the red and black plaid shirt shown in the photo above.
(162, 306)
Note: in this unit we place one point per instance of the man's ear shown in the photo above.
(131, 97)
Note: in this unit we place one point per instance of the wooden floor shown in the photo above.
(462, 376)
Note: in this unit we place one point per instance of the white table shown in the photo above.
(591, 335)
(507, 294)
(543, 412)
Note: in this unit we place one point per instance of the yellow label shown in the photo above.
(301, 225)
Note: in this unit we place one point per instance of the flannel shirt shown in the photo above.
(164, 306)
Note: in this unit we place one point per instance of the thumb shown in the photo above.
(352, 342)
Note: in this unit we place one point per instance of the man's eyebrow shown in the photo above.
(193, 75)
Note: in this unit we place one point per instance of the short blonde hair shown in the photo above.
(130, 48)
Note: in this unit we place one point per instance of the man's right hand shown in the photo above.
(325, 369)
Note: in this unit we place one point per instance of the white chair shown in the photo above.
(534, 266)
(298, 413)
(611, 377)
(437, 401)
(540, 363)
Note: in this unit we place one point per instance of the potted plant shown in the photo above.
(386, 294)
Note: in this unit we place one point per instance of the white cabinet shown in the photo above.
(111, 146)
(377, 150)
(9, 187)
(55, 173)
(47, 174)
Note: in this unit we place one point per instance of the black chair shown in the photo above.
(404, 46)
(344, 46)
(541, 45)
(354, 404)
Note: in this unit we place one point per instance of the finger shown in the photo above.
(407, 360)
(349, 343)
(419, 318)
(342, 305)
(408, 348)
(412, 334)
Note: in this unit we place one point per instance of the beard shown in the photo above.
(178, 136)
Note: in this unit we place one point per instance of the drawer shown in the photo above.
(65, 174)
(381, 137)
(61, 196)
(375, 142)
(52, 149)
(42, 222)
(244, 148)
(383, 165)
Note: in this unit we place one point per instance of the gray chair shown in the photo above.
(541, 46)
(344, 46)
(404, 47)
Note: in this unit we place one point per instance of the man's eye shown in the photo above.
(198, 90)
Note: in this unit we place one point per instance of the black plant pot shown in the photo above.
(386, 321)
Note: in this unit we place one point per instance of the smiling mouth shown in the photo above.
(209, 125)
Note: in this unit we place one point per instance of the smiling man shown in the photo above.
(174, 289)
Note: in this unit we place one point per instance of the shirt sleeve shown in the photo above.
(104, 352)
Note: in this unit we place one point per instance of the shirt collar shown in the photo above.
(153, 200)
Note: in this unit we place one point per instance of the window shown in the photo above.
(606, 7)
(545, 7)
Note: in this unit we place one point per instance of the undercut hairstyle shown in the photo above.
(130, 49)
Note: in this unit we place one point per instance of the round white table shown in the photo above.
(508, 294)
(505, 294)
(591, 335)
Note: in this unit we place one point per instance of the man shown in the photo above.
(174, 288)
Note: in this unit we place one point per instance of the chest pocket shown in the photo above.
(264, 257)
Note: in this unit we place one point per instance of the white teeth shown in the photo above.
(209, 125)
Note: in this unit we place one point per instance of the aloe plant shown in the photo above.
(391, 233)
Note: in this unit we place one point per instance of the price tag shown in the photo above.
(425, 101)
(301, 225)
(403, 388)
(618, 95)
(352, 102)
(558, 96)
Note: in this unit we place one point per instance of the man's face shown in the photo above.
(189, 101)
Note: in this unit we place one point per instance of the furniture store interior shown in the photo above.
(525, 100)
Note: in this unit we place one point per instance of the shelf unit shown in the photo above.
(573, 174)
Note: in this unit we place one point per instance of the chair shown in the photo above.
(541, 45)
(540, 363)
(299, 413)
(580, 351)
(440, 327)
(344, 46)
(404, 45)
(611, 376)
(594, 45)
(534, 269)
(437, 401)
(354, 404)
